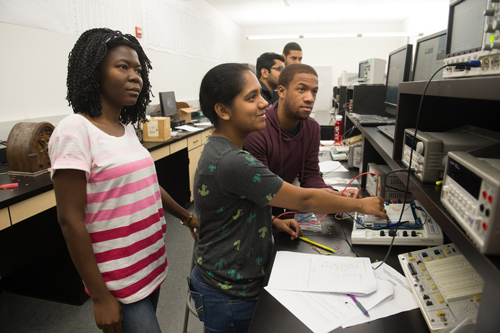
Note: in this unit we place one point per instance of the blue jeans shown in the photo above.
(220, 312)
(141, 316)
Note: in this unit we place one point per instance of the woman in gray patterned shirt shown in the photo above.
(233, 196)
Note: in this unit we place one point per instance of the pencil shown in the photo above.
(307, 240)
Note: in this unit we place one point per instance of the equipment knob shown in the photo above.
(496, 25)
(489, 12)
(420, 147)
(495, 45)
(489, 28)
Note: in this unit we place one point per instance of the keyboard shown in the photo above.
(387, 130)
(372, 119)
(446, 286)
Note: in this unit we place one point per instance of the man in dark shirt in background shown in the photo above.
(269, 67)
(292, 52)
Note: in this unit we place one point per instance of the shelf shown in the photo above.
(447, 104)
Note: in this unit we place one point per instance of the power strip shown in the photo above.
(428, 234)
(447, 288)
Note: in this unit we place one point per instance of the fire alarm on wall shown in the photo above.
(138, 32)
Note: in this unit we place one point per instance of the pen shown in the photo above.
(361, 307)
(307, 240)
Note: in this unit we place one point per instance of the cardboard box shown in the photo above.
(184, 113)
(157, 129)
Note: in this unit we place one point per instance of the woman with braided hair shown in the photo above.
(109, 204)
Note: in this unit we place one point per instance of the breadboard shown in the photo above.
(445, 284)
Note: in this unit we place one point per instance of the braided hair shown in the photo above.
(82, 81)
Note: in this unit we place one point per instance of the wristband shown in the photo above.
(188, 220)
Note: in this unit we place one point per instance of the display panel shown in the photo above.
(168, 104)
(429, 56)
(398, 70)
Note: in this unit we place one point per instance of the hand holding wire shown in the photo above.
(374, 206)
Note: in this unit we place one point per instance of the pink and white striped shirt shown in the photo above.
(124, 214)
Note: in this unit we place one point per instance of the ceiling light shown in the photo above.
(389, 34)
(337, 35)
(256, 37)
(334, 35)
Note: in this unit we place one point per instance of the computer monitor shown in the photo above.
(168, 104)
(398, 70)
(361, 70)
(430, 52)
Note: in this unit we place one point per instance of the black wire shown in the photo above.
(394, 171)
(426, 216)
(417, 123)
(394, 188)
(345, 235)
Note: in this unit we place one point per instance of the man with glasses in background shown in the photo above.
(269, 67)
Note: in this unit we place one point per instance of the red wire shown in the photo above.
(341, 193)
(364, 173)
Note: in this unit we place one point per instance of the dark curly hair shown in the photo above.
(82, 81)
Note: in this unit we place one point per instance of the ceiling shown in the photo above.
(252, 13)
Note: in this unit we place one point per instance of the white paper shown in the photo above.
(310, 272)
(403, 299)
(324, 312)
(339, 181)
(328, 143)
(188, 128)
(331, 166)
(203, 124)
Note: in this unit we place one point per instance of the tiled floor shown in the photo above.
(21, 314)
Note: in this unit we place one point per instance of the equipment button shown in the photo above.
(490, 198)
(485, 226)
(485, 194)
(382, 233)
(405, 233)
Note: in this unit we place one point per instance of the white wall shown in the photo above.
(35, 60)
(341, 54)
(344, 54)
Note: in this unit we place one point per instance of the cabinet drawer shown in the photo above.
(194, 141)
(32, 206)
(176, 146)
(160, 153)
(4, 218)
(205, 135)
